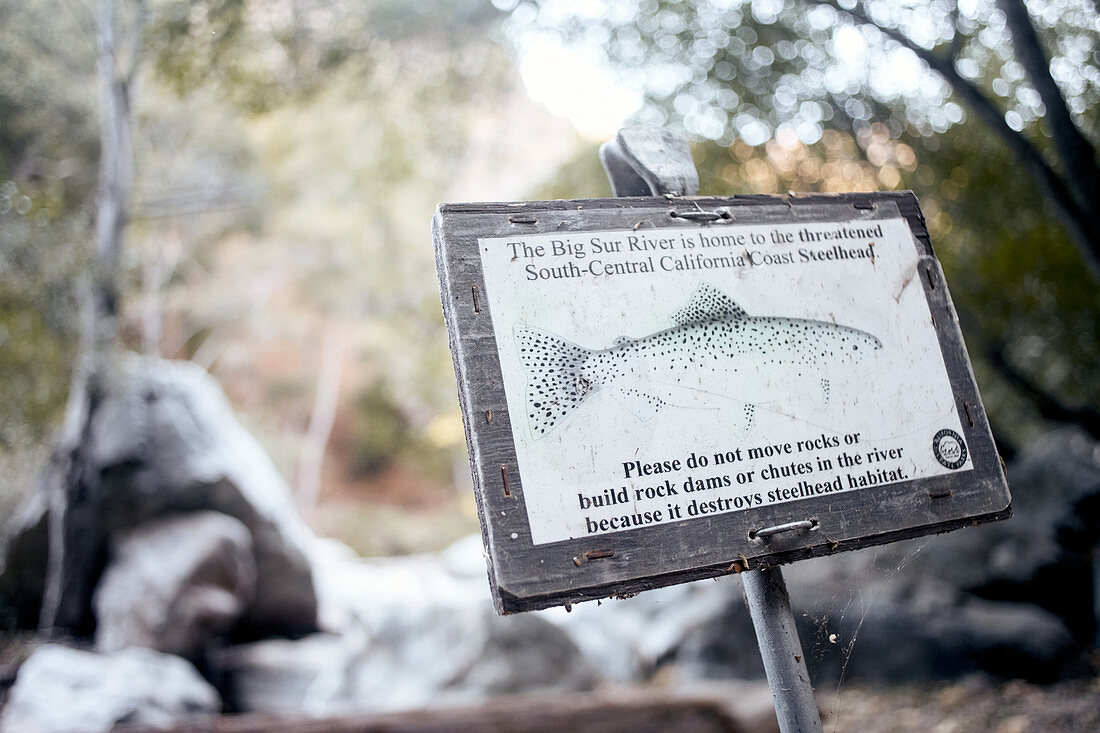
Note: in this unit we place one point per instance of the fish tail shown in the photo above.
(555, 383)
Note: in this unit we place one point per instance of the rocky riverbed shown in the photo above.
(212, 597)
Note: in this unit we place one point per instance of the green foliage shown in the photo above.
(580, 177)
(352, 171)
(375, 530)
(1015, 278)
(48, 150)
(49, 134)
(35, 359)
(1017, 281)
(287, 156)
(744, 69)
(266, 54)
(380, 432)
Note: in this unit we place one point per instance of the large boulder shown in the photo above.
(874, 615)
(1044, 554)
(434, 656)
(164, 440)
(175, 584)
(63, 689)
(23, 559)
(913, 627)
(403, 633)
(629, 639)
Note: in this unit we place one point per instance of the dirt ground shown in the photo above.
(976, 705)
(973, 705)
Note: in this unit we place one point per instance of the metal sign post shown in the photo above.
(661, 387)
(784, 663)
(650, 161)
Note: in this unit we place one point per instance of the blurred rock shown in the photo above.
(901, 641)
(419, 657)
(275, 676)
(623, 640)
(404, 632)
(23, 560)
(1044, 554)
(164, 440)
(175, 584)
(63, 689)
(910, 611)
(628, 639)
(870, 615)
(353, 591)
(1015, 599)
(421, 628)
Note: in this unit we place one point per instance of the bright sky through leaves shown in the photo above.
(563, 49)
(577, 84)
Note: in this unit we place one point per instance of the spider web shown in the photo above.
(856, 600)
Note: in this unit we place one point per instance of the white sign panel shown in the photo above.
(657, 390)
(661, 376)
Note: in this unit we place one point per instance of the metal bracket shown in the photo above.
(807, 525)
(649, 161)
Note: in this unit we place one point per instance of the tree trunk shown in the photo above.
(326, 400)
(1076, 155)
(75, 535)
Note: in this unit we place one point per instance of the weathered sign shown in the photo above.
(662, 389)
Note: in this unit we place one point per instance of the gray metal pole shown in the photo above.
(784, 662)
(654, 161)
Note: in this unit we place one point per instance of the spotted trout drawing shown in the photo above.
(716, 351)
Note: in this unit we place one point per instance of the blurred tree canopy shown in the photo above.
(287, 152)
(48, 136)
(990, 111)
(287, 155)
(242, 183)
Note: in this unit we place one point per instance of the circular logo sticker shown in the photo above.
(949, 448)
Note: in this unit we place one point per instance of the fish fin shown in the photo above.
(622, 340)
(640, 403)
(740, 419)
(555, 384)
(813, 398)
(707, 304)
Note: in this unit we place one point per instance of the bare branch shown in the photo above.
(956, 39)
(321, 419)
(1049, 406)
(1076, 154)
(115, 174)
(1084, 231)
(134, 39)
(74, 492)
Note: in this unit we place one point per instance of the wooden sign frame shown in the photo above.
(526, 576)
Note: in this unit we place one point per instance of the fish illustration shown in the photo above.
(715, 351)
